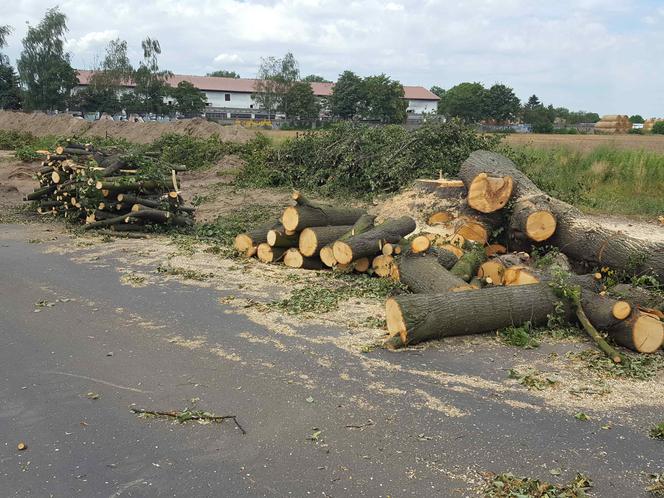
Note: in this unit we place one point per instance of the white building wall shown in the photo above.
(422, 106)
(237, 100)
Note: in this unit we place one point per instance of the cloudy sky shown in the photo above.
(596, 55)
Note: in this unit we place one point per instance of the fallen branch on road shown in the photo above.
(187, 415)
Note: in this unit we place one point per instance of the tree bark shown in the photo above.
(363, 224)
(423, 274)
(468, 264)
(313, 239)
(297, 218)
(277, 237)
(245, 243)
(294, 259)
(369, 243)
(269, 254)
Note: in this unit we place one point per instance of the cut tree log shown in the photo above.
(370, 243)
(313, 239)
(309, 214)
(487, 194)
(638, 296)
(447, 258)
(640, 332)
(280, 237)
(363, 224)
(577, 236)
(439, 218)
(493, 270)
(443, 188)
(532, 220)
(268, 254)
(468, 264)
(420, 243)
(294, 259)
(423, 274)
(247, 243)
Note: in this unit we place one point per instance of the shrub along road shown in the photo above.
(318, 419)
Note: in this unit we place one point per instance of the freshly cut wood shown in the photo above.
(492, 272)
(466, 267)
(382, 265)
(280, 237)
(421, 243)
(40, 192)
(638, 296)
(640, 332)
(487, 193)
(297, 218)
(532, 220)
(446, 189)
(493, 249)
(369, 243)
(268, 254)
(454, 249)
(472, 229)
(439, 218)
(313, 239)
(361, 265)
(363, 224)
(420, 317)
(519, 275)
(577, 236)
(294, 259)
(246, 242)
(423, 274)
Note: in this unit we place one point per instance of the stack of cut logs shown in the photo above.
(104, 188)
(470, 269)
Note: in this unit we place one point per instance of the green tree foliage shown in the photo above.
(151, 81)
(348, 95)
(314, 78)
(361, 159)
(384, 99)
(466, 101)
(536, 114)
(104, 89)
(301, 101)
(501, 103)
(43, 66)
(658, 128)
(275, 79)
(222, 73)
(637, 118)
(190, 100)
(10, 93)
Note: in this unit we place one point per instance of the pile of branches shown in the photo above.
(470, 270)
(109, 188)
(479, 276)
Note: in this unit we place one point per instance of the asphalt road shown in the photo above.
(319, 421)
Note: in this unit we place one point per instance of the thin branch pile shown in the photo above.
(106, 188)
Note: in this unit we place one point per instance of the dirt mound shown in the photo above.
(65, 125)
(15, 179)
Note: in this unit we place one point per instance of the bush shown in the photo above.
(193, 152)
(635, 131)
(361, 159)
(658, 128)
(12, 140)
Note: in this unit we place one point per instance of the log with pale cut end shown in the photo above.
(294, 259)
(439, 218)
(454, 249)
(492, 272)
(487, 194)
(494, 249)
(363, 224)
(382, 265)
(248, 242)
(420, 317)
(638, 296)
(532, 220)
(466, 267)
(268, 254)
(519, 275)
(472, 229)
(641, 332)
(361, 265)
(421, 243)
(279, 237)
(296, 218)
(422, 273)
(326, 255)
(444, 188)
(369, 243)
(313, 239)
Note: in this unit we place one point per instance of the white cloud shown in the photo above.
(226, 58)
(577, 53)
(94, 39)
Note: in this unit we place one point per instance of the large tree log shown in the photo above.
(268, 254)
(312, 214)
(423, 274)
(468, 264)
(363, 224)
(294, 259)
(278, 237)
(579, 237)
(420, 317)
(313, 239)
(370, 243)
(487, 193)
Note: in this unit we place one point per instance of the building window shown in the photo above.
(251, 106)
(227, 97)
